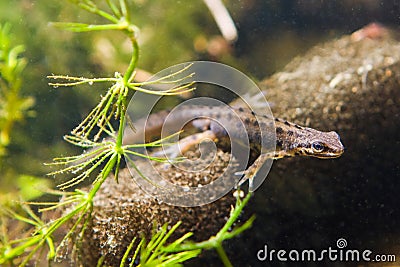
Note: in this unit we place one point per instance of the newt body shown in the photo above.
(226, 125)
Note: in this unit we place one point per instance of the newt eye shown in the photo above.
(317, 146)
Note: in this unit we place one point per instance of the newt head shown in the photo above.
(322, 145)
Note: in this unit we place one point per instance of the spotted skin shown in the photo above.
(242, 124)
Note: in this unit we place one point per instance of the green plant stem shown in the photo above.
(12, 253)
(93, 9)
(82, 208)
(114, 8)
(222, 254)
(215, 242)
(124, 9)
(107, 169)
(134, 60)
(121, 128)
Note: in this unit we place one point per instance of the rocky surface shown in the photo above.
(123, 211)
(352, 87)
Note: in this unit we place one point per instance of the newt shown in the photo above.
(222, 126)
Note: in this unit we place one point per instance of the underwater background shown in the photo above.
(302, 205)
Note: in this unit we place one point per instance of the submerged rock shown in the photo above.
(346, 85)
(352, 87)
(123, 211)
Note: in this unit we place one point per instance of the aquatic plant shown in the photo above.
(157, 253)
(103, 157)
(13, 106)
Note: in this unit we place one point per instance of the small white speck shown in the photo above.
(339, 78)
(185, 188)
(241, 193)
